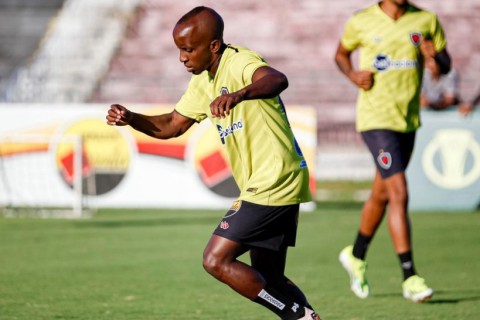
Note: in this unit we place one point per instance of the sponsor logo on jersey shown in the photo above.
(416, 38)
(229, 130)
(382, 62)
(267, 297)
(384, 159)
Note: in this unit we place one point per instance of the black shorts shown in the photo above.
(261, 226)
(391, 150)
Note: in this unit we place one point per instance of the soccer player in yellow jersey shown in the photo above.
(239, 92)
(394, 38)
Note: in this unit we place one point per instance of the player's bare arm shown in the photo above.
(266, 83)
(361, 78)
(163, 126)
(442, 58)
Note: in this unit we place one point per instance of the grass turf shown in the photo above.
(146, 264)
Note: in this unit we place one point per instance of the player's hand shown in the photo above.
(118, 115)
(221, 106)
(363, 78)
(427, 48)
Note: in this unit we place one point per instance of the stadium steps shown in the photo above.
(22, 25)
(74, 54)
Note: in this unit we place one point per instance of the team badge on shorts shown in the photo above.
(416, 38)
(384, 159)
(224, 225)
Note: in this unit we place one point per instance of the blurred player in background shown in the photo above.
(395, 39)
(439, 91)
(239, 92)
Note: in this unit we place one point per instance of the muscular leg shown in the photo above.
(220, 260)
(391, 191)
(398, 220)
(271, 264)
(374, 208)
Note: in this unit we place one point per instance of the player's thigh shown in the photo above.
(260, 226)
(390, 150)
(220, 249)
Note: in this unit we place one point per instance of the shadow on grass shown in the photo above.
(442, 296)
(339, 205)
(465, 295)
(155, 222)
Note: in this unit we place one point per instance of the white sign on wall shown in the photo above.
(121, 167)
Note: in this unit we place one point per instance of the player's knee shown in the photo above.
(213, 265)
(399, 197)
(380, 198)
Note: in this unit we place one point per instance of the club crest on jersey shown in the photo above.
(384, 159)
(224, 90)
(416, 38)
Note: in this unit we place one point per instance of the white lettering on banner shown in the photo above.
(267, 297)
(452, 146)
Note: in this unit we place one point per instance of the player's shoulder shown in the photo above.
(365, 12)
(415, 9)
(239, 53)
(361, 16)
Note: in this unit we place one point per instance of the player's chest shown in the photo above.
(394, 36)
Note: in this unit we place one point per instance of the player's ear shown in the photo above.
(215, 46)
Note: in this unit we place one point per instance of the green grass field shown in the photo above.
(143, 265)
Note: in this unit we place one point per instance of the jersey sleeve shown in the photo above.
(192, 103)
(245, 65)
(350, 39)
(438, 35)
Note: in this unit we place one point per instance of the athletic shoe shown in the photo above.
(415, 289)
(310, 315)
(356, 270)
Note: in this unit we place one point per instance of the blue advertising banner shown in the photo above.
(444, 173)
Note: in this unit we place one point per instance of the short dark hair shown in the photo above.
(218, 25)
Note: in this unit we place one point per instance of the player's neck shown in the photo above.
(393, 10)
(216, 62)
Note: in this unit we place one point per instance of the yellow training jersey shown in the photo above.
(265, 159)
(390, 48)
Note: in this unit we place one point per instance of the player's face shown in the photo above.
(195, 53)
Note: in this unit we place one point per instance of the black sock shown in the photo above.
(295, 292)
(284, 307)
(360, 246)
(406, 263)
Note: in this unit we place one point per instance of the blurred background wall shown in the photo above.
(89, 51)
(298, 37)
